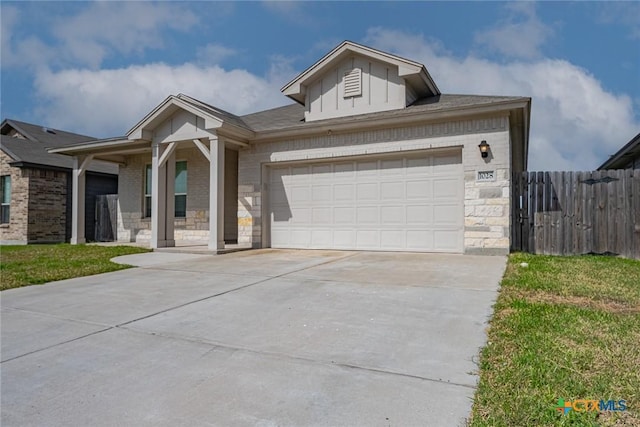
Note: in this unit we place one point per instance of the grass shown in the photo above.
(35, 264)
(563, 327)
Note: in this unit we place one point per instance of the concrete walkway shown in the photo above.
(266, 337)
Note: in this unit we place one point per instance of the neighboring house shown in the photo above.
(36, 185)
(371, 156)
(628, 157)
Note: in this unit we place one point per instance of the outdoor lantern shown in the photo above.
(484, 148)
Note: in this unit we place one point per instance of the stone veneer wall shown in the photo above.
(487, 207)
(133, 226)
(16, 230)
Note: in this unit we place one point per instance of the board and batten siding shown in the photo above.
(381, 89)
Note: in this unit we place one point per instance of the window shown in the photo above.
(180, 190)
(5, 198)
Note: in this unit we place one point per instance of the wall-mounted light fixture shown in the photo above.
(484, 148)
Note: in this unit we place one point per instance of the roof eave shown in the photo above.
(617, 158)
(323, 126)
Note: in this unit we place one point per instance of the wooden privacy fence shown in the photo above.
(571, 213)
(106, 221)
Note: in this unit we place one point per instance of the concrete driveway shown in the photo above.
(267, 337)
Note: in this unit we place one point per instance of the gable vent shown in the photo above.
(352, 83)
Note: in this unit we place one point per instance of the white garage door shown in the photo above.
(408, 203)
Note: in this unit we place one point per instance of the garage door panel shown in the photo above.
(321, 193)
(300, 216)
(392, 167)
(446, 240)
(420, 240)
(366, 169)
(299, 194)
(367, 191)
(419, 190)
(300, 238)
(322, 238)
(407, 202)
(344, 215)
(393, 239)
(419, 214)
(446, 214)
(367, 214)
(343, 192)
(391, 215)
(392, 190)
(344, 170)
(321, 171)
(419, 166)
(322, 216)
(367, 239)
(343, 239)
(446, 188)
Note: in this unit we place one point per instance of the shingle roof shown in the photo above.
(33, 149)
(292, 116)
(214, 111)
(624, 156)
(49, 137)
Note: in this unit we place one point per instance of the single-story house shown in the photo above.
(369, 156)
(35, 185)
(628, 157)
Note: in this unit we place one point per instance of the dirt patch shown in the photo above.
(583, 302)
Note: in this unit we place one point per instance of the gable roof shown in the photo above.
(32, 150)
(413, 72)
(624, 156)
(213, 117)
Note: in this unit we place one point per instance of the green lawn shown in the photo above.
(35, 264)
(563, 327)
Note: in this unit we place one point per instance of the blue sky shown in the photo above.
(97, 68)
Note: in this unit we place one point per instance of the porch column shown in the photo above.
(78, 176)
(216, 194)
(171, 199)
(158, 198)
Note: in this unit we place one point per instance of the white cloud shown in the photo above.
(214, 53)
(123, 27)
(90, 36)
(521, 35)
(105, 103)
(575, 122)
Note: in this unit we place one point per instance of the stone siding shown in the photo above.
(487, 208)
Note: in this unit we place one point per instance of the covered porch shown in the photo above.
(157, 204)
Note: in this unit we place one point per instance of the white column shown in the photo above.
(78, 176)
(171, 200)
(158, 198)
(216, 194)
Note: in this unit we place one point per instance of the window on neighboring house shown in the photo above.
(180, 190)
(5, 197)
